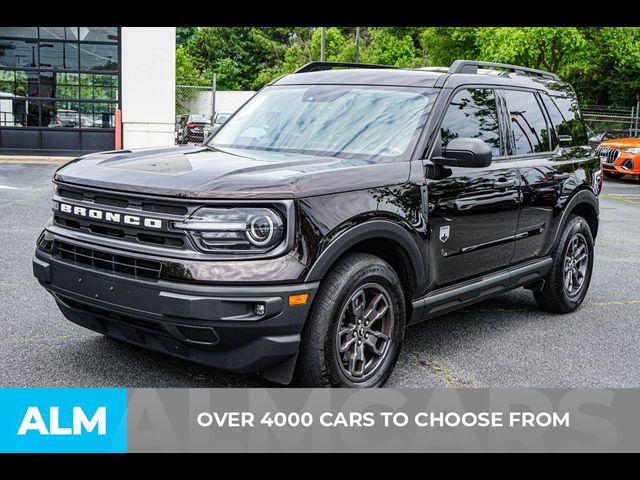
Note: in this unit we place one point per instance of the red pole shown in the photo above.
(118, 129)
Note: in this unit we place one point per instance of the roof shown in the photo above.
(362, 76)
(422, 78)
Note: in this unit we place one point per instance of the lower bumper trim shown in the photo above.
(212, 325)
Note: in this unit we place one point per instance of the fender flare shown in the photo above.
(382, 229)
(584, 196)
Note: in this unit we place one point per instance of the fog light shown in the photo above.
(259, 309)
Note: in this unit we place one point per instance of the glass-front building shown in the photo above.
(59, 89)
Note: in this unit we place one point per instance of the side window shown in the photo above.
(572, 124)
(557, 120)
(528, 125)
(472, 114)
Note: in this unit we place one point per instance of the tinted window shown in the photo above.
(72, 69)
(528, 125)
(18, 53)
(198, 118)
(98, 57)
(98, 87)
(472, 114)
(557, 120)
(98, 34)
(572, 120)
(59, 33)
(19, 32)
(58, 55)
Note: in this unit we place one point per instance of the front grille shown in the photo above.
(608, 155)
(122, 202)
(108, 262)
(165, 240)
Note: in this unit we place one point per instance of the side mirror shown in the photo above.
(465, 152)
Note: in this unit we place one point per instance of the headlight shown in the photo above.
(229, 230)
(634, 151)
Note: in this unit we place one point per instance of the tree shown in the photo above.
(600, 62)
(440, 46)
(548, 48)
(187, 73)
(245, 50)
(388, 46)
(183, 34)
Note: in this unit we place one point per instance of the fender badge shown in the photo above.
(444, 233)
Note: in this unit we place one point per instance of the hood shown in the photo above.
(622, 143)
(201, 172)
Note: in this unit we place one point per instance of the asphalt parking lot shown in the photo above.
(505, 342)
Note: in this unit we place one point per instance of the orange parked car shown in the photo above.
(620, 156)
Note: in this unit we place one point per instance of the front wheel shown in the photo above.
(353, 334)
(568, 281)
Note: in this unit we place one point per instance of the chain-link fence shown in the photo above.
(619, 120)
(194, 112)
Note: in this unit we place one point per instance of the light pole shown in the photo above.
(322, 37)
(357, 44)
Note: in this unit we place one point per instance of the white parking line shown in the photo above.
(7, 187)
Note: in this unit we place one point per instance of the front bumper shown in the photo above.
(624, 165)
(212, 325)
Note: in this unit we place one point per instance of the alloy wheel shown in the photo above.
(576, 262)
(364, 332)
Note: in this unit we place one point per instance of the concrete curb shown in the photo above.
(34, 159)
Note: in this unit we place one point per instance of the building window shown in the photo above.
(59, 77)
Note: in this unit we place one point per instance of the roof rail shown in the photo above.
(471, 66)
(317, 66)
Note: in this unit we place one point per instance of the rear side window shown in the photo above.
(528, 125)
(566, 118)
(472, 113)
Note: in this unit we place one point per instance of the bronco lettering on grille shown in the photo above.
(112, 217)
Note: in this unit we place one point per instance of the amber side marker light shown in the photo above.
(300, 299)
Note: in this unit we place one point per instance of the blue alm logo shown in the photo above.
(63, 420)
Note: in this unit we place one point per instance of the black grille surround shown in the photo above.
(108, 262)
(166, 241)
(112, 202)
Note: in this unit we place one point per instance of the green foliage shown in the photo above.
(183, 34)
(334, 44)
(187, 73)
(390, 46)
(601, 62)
(440, 46)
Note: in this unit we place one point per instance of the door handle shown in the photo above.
(561, 176)
(503, 184)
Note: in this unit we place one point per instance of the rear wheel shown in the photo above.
(353, 334)
(568, 281)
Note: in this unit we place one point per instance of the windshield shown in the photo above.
(343, 121)
(198, 118)
(222, 117)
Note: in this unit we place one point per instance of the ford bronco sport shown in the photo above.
(340, 205)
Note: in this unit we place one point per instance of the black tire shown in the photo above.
(560, 295)
(612, 174)
(320, 363)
